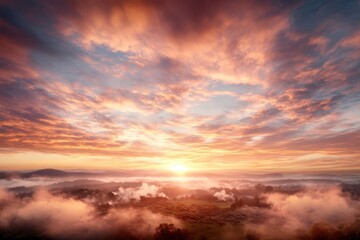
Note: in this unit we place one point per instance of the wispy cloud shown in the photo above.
(232, 84)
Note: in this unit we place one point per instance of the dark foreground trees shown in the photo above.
(326, 231)
(169, 232)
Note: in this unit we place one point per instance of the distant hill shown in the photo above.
(9, 175)
(45, 173)
(48, 172)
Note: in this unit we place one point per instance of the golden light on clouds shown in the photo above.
(230, 85)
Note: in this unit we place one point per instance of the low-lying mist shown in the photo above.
(295, 215)
(230, 209)
(48, 216)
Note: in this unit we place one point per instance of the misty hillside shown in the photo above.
(48, 172)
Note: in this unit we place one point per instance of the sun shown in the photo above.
(178, 168)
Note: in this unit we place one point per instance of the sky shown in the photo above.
(263, 86)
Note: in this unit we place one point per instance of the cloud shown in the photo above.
(145, 190)
(200, 81)
(304, 209)
(298, 213)
(66, 218)
(171, 30)
(223, 196)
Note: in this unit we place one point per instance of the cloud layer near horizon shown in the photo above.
(58, 217)
(255, 85)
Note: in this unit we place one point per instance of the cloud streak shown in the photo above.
(150, 81)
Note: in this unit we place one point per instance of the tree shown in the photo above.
(169, 232)
(252, 235)
(323, 231)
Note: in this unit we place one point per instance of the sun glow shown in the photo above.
(178, 168)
